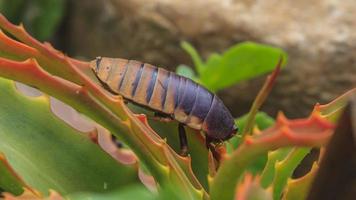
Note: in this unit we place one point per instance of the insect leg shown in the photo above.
(162, 117)
(212, 148)
(183, 140)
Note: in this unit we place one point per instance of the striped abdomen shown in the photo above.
(166, 92)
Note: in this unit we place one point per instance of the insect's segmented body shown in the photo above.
(168, 93)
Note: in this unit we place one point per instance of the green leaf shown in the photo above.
(198, 63)
(241, 62)
(137, 192)
(42, 17)
(335, 178)
(311, 131)
(8, 182)
(298, 189)
(186, 71)
(214, 60)
(197, 149)
(13, 9)
(48, 16)
(284, 170)
(262, 121)
(269, 170)
(48, 154)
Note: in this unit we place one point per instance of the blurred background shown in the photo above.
(319, 37)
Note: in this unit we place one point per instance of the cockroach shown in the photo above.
(168, 95)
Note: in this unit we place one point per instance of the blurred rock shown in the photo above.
(319, 36)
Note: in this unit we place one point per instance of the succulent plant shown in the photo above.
(42, 156)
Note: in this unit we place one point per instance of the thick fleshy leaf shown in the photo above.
(136, 192)
(196, 144)
(269, 169)
(334, 109)
(9, 181)
(313, 131)
(297, 189)
(336, 175)
(250, 189)
(198, 152)
(48, 154)
(284, 170)
(73, 84)
(29, 195)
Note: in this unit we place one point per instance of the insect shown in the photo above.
(169, 96)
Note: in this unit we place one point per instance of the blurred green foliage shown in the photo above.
(240, 62)
(40, 17)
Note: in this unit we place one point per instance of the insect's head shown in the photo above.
(101, 67)
(231, 133)
(222, 133)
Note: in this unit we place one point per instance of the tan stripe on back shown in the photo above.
(116, 74)
(130, 76)
(156, 99)
(141, 90)
(171, 93)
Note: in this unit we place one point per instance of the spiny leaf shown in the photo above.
(269, 170)
(184, 162)
(284, 170)
(313, 131)
(197, 150)
(73, 86)
(48, 154)
(336, 175)
(333, 110)
(297, 189)
(250, 189)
